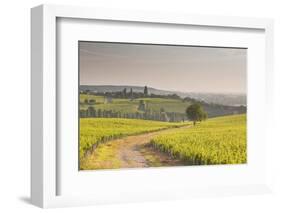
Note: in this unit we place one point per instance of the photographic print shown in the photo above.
(152, 105)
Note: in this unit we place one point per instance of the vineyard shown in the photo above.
(160, 108)
(98, 130)
(219, 140)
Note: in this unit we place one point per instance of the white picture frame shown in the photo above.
(45, 178)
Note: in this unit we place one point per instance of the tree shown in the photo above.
(142, 105)
(125, 92)
(195, 113)
(205, 116)
(131, 93)
(145, 92)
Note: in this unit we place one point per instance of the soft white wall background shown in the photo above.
(15, 105)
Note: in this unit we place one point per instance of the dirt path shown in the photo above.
(129, 152)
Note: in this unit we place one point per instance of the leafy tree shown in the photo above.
(125, 92)
(131, 93)
(205, 116)
(145, 92)
(195, 113)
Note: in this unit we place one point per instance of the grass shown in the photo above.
(219, 140)
(131, 106)
(119, 107)
(105, 158)
(98, 99)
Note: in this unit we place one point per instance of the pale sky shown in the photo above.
(177, 68)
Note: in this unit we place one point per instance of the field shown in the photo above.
(98, 130)
(131, 106)
(131, 143)
(145, 106)
(219, 140)
(163, 108)
(123, 132)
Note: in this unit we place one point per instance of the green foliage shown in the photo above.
(125, 93)
(217, 141)
(97, 99)
(131, 93)
(145, 91)
(196, 113)
(130, 106)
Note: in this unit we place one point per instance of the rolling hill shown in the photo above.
(214, 98)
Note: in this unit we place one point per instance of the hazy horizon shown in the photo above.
(121, 85)
(186, 69)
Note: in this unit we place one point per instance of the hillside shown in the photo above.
(164, 109)
(223, 99)
(216, 141)
(110, 143)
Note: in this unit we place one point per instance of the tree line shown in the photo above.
(197, 111)
(194, 113)
(131, 94)
(147, 114)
